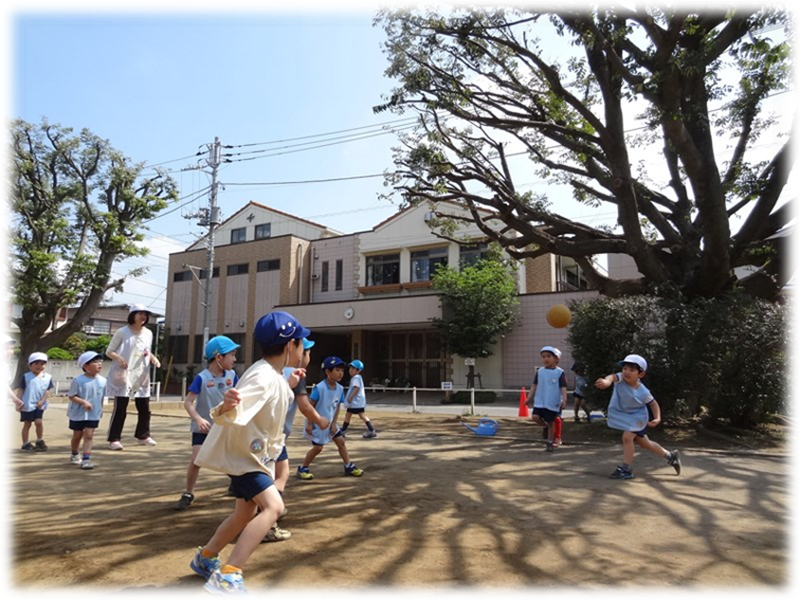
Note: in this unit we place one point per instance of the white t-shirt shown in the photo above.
(135, 349)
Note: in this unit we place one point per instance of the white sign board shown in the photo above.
(469, 362)
(447, 385)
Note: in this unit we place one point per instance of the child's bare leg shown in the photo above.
(551, 431)
(537, 420)
(242, 513)
(654, 447)
(342, 449)
(281, 474)
(88, 441)
(627, 447)
(193, 471)
(311, 455)
(26, 428)
(75, 442)
(270, 504)
(39, 429)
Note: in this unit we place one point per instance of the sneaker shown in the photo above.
(40, 446)
(549, 447)
(353, 470)
(674, 461)
(75, 459)
(577, 419)
(86, 464)
(304, 473)
(370, 434)
(28, 447)
(184, 502)
(115, 446)
(557, 442)
(225, 583)
(148, 441)
(276, 534)
(204, 566)
(620, 473)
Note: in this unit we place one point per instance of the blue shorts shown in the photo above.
(249, 485)
(31, 415)
(339, 433)
(198, 438)
(81, 425)
(356, 411)
(547, 415)
(284, 454)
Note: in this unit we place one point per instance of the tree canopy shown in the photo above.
(78, 207)
(687, 88)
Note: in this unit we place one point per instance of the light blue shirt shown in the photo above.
(548, 388)
(210, 391)
(627, 409)
(33, 389)
(360, 398)
(88, 388)
(327, 401)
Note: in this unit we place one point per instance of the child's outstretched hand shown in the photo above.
(295, 377)
(602, 383)
(230, 400)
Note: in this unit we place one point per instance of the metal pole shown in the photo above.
(213, 221)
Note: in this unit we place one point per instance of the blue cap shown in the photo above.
(357, 364)
(307, 344)
(278, 327)
(220, 345)
(332, 362)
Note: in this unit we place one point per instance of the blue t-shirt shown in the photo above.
(88, 388)
(299, 389)
(210, 391)
(581, 384)
(627, 409)
(33, 389)
(548, 384)
(327, 400)
(360, 399)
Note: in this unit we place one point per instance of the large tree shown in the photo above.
(685, 87)
(78, 206)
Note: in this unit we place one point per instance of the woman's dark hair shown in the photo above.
(132, 316)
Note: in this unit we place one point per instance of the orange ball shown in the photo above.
(558, 316)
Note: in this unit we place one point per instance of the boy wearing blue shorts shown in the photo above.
(356, 401)
(628, 412)
(32, 390)
(246, 440)
(205, 392)
(548, 394)
(85, 407)
(326, 397)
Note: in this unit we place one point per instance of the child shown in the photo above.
(32, 390)
(278, 534)
(245, 443)
(578, 393)
(628, 412)
(326, 397)
(6, 352)
(85, 408)
(548, 395)
(356, 401)
(205, 392)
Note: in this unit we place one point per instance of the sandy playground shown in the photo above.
(438, 508)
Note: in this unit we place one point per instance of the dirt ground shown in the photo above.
(437, 508)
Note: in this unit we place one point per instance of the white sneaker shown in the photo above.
(115, 446)
(75, 459)
(148, 441)
(87, 464)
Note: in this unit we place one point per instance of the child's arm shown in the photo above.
(351, 393)
(606, 382)
(43, 399)
(529, 399)
(309, 411)
(188, 404)
(653, 406)
(80, 402)
(335, 418)
(18, 398)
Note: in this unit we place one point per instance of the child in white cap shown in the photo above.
(85, 408)
(548, 394)
(628, 412)
(32, 390)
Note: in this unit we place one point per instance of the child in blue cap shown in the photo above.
(246, 440)
(326, 397)
(205, 392)
(356, 401)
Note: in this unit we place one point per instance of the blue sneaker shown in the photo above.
(304, 473)
(204, 566)
(620, 473)
(225, 583)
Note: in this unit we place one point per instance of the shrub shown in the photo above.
(59, 354)
(463, 397)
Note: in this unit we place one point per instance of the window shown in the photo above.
(182, 276)
(424, 263)
(238, 235)
(238, 269)
(269, 265)
(324, 283)
(178, 348)
(472, 253)
(339, 274)
(199, 354)
(204, 272)
(383, 269)
(263, 231)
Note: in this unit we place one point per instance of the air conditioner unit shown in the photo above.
(428, 216)
(315, 276)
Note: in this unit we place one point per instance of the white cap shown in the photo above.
(552, 350)
(139, 308)
(634, 359)
(87, 357)
(37, 356)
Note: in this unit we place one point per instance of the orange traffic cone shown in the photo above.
(523, 408)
